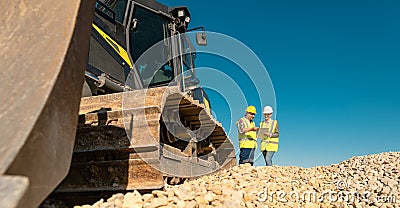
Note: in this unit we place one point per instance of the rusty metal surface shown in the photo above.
(105, 159)
(142, 103)
(12, 188)
(114, 175)
(119, 144)
(43, 54)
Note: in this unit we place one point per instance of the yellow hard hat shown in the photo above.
(251, 109)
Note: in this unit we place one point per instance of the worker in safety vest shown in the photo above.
(269, 143)
(247, 136)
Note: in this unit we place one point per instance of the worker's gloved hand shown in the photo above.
(255, 129)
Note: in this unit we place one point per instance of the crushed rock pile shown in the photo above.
(364, 181)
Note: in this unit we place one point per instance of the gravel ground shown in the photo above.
(364, 181)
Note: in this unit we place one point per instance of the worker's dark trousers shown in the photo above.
(246, 155)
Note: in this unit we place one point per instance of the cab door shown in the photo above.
(148, 43)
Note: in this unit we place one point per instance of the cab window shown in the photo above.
(115, 9)
(151, 28)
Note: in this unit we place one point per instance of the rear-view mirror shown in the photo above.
(201, 38)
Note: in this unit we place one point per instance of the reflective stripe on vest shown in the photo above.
(268, 143)
(248, 139)
(250, 134)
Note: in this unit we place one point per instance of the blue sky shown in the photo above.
(334, 66)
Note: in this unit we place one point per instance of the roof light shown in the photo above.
(181, 13)
(187, 19)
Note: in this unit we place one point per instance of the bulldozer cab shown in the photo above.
(139, 44)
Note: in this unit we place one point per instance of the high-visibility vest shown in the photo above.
(248, 139)
(268, 143)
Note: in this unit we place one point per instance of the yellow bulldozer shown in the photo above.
(101, 97)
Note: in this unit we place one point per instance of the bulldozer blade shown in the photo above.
(44, 46)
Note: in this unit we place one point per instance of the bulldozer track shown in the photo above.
(132, 141)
